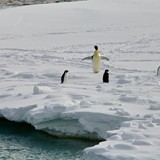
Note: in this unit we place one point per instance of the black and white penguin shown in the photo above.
(64, 77)
(96, 60)
(106, 76)
(158, 71)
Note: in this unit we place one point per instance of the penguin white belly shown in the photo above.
(65, 78)
(158, 71)
(96, 63)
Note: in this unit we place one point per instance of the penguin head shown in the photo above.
(106, 70)
(66, 71)
(96, 47)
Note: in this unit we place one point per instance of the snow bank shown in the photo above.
(136, 140)
(37, 43)
(62, 120)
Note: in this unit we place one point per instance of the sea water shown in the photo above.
(20, 141)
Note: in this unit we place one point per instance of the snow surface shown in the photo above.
(39, 42)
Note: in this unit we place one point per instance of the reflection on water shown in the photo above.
(21, 141)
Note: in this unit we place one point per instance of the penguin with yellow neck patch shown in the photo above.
(96, 60)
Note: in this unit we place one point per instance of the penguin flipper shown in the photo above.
(89, 57)
(62, 78)
(105, 58)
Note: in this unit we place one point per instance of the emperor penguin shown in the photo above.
(64, 77)
(96, 60)
(158, 71)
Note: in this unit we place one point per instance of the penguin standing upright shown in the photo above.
(158, 71)
(106, 76)
(64, 77)
(96, 60)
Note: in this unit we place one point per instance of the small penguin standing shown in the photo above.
(106, 76)
(96, 60)
(64, 77)
(158, 71)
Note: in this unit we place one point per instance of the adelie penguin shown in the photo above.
(158, 71)
(64, 77)
(96, 60)
(106, 76)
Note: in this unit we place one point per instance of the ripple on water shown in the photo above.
(21, 141)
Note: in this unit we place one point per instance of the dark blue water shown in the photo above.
(20, 141)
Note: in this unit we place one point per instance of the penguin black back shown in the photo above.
(64, 76)
(106, 76)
